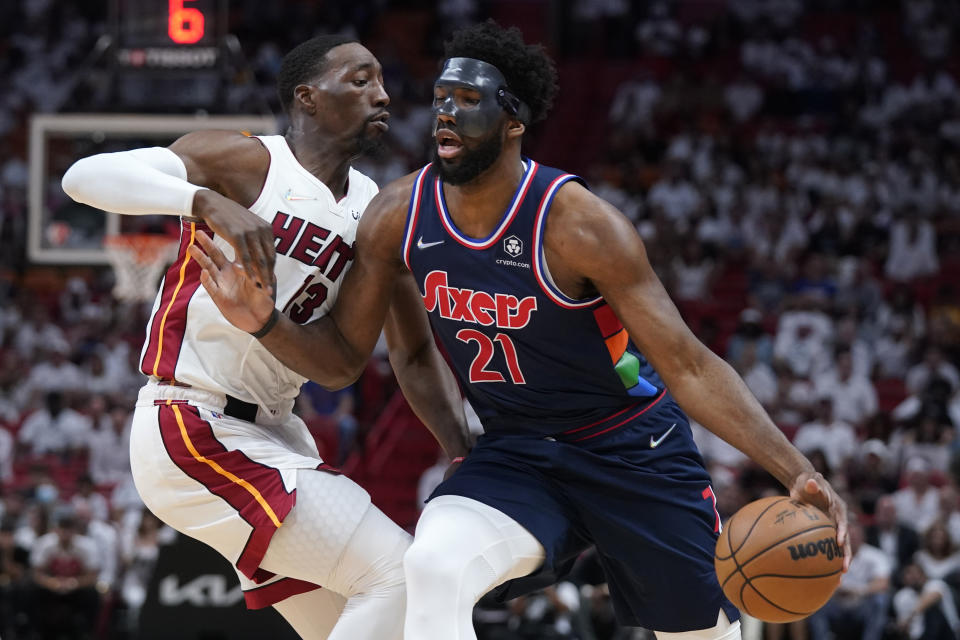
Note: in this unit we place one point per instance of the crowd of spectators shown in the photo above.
(794, 168)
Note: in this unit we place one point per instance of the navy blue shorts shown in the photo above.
(634, 485)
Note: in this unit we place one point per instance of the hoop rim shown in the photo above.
(143, 247)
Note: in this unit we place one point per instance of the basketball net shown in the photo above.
(137, 260)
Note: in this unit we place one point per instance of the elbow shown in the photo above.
(78, 177)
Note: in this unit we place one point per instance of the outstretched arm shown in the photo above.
(597, 247)
(206, 174)
(426, 380)
(334, 349)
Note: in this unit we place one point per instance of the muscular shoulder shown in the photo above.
(582, 225)
(226, 161)
(383, 223)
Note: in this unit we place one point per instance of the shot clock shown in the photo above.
(168, 34)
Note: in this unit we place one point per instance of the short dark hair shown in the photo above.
(529, 71)
(303, 62)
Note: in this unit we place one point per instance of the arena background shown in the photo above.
(793, 166)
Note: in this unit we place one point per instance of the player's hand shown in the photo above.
(245, 305)
(247, 233)
(813, 488)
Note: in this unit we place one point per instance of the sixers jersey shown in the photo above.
(188, 340)
(530, 359)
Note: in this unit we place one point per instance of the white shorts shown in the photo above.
(230, 483)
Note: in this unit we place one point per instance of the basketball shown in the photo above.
(778, 560)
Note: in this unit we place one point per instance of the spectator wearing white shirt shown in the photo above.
(933, 365)
(758, 376)
(925, 607)
(65, 568)
(854, 398)
(862, 598)
(87, 498)
(109, 461)
(913, 249)
(918, 503)
(675, 195)
(938, 556)
(834, 437)
(692, 273)
(803, 341)
(54, 428)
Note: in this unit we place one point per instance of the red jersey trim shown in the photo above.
(539, 269)
(270, 594)
(255, 490)
(413, 214)
(497, 233)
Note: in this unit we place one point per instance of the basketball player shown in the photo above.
(570, 350)
(215, 450)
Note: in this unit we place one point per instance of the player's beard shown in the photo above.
(471, 163)
(368, 145)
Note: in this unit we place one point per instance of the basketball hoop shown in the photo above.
(137, 260)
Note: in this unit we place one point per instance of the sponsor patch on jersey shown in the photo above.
(510, 253)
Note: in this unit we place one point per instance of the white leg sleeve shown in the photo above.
(462, 549)
(724, 630)
(366, 567)
(312, 614)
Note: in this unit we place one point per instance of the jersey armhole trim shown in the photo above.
(540, 269)
(413, 213)
(267, 179)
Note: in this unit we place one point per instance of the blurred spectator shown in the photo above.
(692, 273)
(803, 340)
(892, 350)
(338, 407)
(925, 608)
(938, 557)
(14, 568)
(750, 332)
(854, 398)
(110, 448)
(918, 503)
(860, 602)
(54, 428)
(139, 550)
(87, 498)
(871, 479)
(889, 534)
(758, 375)
(65, 565)
(932, 365)
(106, 537)
(827, 433)
(913, 249)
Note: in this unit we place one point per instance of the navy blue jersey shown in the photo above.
(529, 358)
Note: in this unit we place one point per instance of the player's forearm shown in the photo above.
(317, 351)
(714, 395)
(138, 182)
(433, 394)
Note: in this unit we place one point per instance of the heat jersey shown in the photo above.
(529, 358)
(188, 340)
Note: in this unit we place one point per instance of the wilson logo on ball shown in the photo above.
(827, 547)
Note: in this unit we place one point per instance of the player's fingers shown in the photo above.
(210, 285)
(212, 250)
(206, 264)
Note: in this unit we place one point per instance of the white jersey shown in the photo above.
(188, 340)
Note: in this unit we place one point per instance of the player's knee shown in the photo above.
(723, 630)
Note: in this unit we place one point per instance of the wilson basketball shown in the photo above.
(778, 560)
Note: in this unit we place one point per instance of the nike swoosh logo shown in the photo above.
(426, 245)
(655, 442)
(290, 196)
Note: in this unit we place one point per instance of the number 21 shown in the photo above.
(478, 370)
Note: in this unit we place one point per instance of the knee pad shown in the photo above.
(723, 630)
